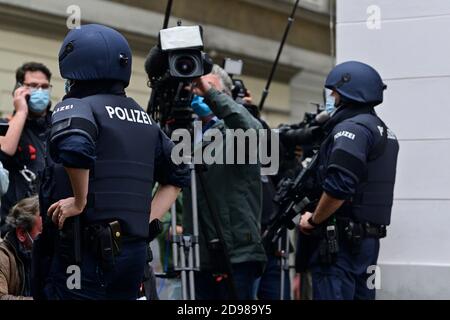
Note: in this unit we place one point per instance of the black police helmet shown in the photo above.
(95, 52)
(356, 82)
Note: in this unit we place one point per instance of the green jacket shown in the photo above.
(234, 189)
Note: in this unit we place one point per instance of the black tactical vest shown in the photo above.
(121, 182)
(373, 199)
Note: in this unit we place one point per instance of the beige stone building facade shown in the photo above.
(245, 29)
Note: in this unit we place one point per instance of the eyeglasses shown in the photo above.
(35, 86)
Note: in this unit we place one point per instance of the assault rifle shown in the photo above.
(293, 197)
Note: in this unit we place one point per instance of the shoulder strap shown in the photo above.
(74, 116)
(378, 149)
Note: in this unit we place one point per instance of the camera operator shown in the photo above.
(234, 190)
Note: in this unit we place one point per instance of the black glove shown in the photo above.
(154, 229)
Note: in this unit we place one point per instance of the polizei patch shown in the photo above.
(346, 134)
(131, 115)
(62, 108)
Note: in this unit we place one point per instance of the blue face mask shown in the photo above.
(200, 107)
(39, 100)
(330, 104)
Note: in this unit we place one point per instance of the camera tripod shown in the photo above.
(185, 248)
(284, 262)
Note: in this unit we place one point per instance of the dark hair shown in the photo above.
(24, 213)
(31, 67)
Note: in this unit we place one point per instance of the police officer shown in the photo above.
(356, 172)
(107, 153)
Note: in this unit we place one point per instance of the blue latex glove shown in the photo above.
(200, 107)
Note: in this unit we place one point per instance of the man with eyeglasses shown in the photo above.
(22, 147)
